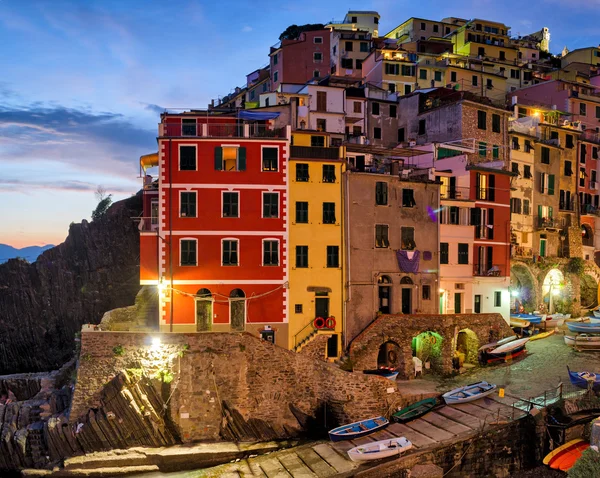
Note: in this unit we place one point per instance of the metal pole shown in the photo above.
(170, 210)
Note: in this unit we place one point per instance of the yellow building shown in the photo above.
(315, 257)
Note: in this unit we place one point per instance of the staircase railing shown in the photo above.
(312, 330)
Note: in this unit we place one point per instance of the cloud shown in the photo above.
(154, 108)
(94, 141)
(22, 186)
(247, 29)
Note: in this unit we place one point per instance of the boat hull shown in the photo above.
(391, 375)
(542, 335)
(380, 449)
(584, 327)
(554, 454)
(581, 382)
(503, 357)
(583, 341)
(468, 393)
(415, 410)
(358, 429)
(520, 323)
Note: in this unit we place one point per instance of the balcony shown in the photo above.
(591, 136)
(589, 210)
(460, 193)
(547, 223)
(314, 152)
(487, 270)
(148, 224)
(522, 251)
(221, 130)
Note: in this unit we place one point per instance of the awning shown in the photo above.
(149, 161)
(257, 115)
(314, 288)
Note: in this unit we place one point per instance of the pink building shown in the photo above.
(297, 61)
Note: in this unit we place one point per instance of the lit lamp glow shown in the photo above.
(156, 343)
(514, 293)
(161, 285)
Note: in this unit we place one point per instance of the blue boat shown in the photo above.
(383, 372)
(585, 380)
(596, 313)
(584, 327)
(469, 393)
(531, 318)
(358, 429)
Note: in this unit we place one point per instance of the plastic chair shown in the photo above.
(418, 365)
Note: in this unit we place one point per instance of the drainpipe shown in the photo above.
(347, 249)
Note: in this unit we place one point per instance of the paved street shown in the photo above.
(544, 366)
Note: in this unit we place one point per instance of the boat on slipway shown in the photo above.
(469, 393)
(380, 449)
(358, 429)
(584, 327)
(506, 351)
(415, 410)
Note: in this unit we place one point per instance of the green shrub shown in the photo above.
(576, 266)
(165, 375)
(587, 466)
(118, 350)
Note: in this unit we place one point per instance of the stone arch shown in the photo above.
(524, 286)
(428, 347)
(390, 355)
(406, 281)
(467, 343)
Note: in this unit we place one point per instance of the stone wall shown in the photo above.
(231, 385)
(400, 330)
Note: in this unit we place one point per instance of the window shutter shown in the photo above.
(384, 193)
(542, 181)
(478, 185)
(551, 184)
(452, 187)
(218, 158)
(492, 187)
(491, 223)
(475, 216)
(549, 212)
(540, 211)
(242, 159)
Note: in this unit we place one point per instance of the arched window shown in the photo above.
(406, 281)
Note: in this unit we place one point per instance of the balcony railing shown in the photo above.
(222, 130)
(522, 251)
(487, 270)
(589, 210)
(456, 193)
(148, 224)
(315, 152)
(547, 223)
(590, 135)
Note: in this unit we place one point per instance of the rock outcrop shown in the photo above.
(44, 304)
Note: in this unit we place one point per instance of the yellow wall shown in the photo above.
(303, 139)
(464, 78)
(317, 237)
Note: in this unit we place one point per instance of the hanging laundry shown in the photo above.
(406, 263)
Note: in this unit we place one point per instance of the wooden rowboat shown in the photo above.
(583, 341)
(549, 458)
(415, 410)
(509, 347)
(469, 393)
(380, 449)
(584, 327)
(497, 344)
(542, 335)
(358, 429)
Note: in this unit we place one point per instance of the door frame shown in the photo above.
(212, 311)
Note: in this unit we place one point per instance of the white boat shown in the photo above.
(555, 320)
(497, 344)
(509, 347)
(594, 320)
(583, 341)
(469, 393)
(380, 449)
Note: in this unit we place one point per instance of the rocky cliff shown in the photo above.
(43, 305)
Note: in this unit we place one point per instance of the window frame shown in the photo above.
(262, 157)
(444, 254)
(414, 242)
(497, 298)
(237, 251)
(410, 201)
(301, 264)
(271, 240)
(462, 255)
(381, 192)
(299, 178)
(330, 254)
(272, 193)
(330, 176)
(385, 238)
(195, 157)
(334, 221)
(195, 204)
(188, 239)
(223, 204)
(482, 120)
(296, 212)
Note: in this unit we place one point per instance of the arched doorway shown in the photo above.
(467, 344)
(204, 310)
(589, 291)
(587, 235)
(427, 346)
(237, 309)
(552, 289)
(523, 288)
(385, 294)
(389, 355)
(407, 289)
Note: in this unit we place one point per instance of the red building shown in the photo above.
(214, 235)
(297, 61)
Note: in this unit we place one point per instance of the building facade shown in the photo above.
(219, 251)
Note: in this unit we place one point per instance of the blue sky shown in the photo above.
(82, 83)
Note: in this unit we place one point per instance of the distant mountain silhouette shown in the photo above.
(30, 253)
